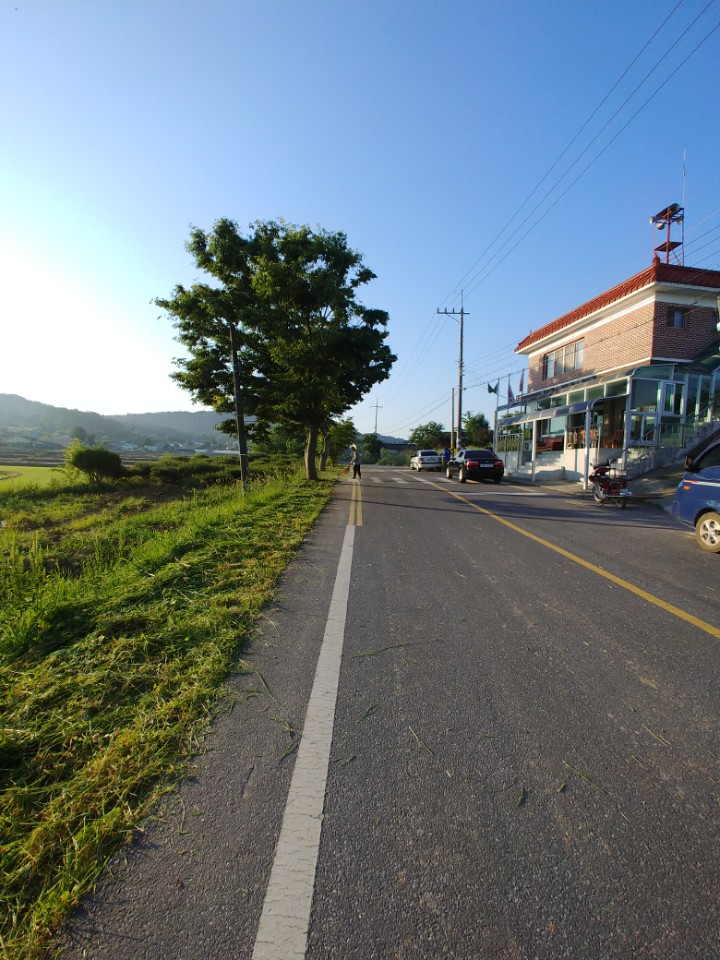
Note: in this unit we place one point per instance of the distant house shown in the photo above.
(632, 373)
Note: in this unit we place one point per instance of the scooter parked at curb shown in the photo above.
(609, 485)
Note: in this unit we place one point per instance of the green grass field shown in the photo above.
(12, 476)
(121, 612)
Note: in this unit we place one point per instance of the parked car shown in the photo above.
(426, 460)
(697, 498)
(475, 465)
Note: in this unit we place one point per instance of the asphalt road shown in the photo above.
(523, 762)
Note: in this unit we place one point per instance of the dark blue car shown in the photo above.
(697, 499)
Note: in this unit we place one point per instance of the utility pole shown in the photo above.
(377, 407)
(462, 314)
(452, 419)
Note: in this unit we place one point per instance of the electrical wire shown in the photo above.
(570, 144)
(594, 160)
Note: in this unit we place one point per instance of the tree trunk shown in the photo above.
(325, 452)
(239, 413)
(310, 452)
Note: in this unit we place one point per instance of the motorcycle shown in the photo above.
(609, 485)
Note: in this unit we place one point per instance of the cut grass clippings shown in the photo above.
(121, 613)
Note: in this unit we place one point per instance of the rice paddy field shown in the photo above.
(122, 610)
(15, 476)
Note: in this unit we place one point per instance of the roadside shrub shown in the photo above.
(389, 459)
(96, 463)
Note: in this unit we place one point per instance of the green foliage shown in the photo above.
(429, 436)
(280, 440)
(390, 459)
(201, 470)
(477, 430)
(286, 296)
(370, 447)
(341, 434)
(96, 463)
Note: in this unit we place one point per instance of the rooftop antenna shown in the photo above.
(663, 220)
(683, 204)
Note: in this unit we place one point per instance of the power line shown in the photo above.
(594, 160)
(571, 142)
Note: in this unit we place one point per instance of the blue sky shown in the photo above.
(418, 128)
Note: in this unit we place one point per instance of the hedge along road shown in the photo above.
(523, 759)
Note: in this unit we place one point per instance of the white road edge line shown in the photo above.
(285, 919)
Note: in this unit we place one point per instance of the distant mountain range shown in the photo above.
(188, 428)
(41, 421)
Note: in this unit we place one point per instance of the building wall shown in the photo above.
(626, 340)
(633, 339)
(686, 342)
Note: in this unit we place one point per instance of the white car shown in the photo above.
(426, 460)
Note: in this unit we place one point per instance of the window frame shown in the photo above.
(675, 314)
(565, 359)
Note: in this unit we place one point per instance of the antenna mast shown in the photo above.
(663, 220)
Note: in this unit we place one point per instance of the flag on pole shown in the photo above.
(511, 395)
(494, 389)
(522, 381)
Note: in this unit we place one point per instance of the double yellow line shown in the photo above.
(356, 506)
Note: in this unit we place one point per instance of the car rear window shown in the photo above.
(427, 453)
(479, 455)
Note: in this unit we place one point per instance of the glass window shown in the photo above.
(616, 389)
(579, 354)
(711, 458)
(564, 359)
(676, 317)
(672, 398)
(644, 395)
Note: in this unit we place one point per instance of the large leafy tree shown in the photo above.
(341, 434)
(210, 319)
(307, 349)
(477, 430)
(428, 435)
(370, 447)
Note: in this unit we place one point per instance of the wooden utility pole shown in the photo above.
(462, 314)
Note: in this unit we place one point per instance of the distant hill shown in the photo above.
(18, 414)
(194, 423)
(195, 428)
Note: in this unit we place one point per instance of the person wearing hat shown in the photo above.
(355, 462)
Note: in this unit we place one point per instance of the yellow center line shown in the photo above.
(356, 506)
(630, 587)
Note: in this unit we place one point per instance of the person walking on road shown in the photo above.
(355, 461)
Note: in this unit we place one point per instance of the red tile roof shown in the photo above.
(657, 273)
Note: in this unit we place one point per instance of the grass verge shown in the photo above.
(121, 613)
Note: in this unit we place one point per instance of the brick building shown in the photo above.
(634, 371)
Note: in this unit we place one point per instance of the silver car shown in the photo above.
(426, 460)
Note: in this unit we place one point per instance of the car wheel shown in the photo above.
(598, 493)
(707, 532)
(462, 476)
(497, 480)
(448, 473)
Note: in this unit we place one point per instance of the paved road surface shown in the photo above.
(523, 761)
